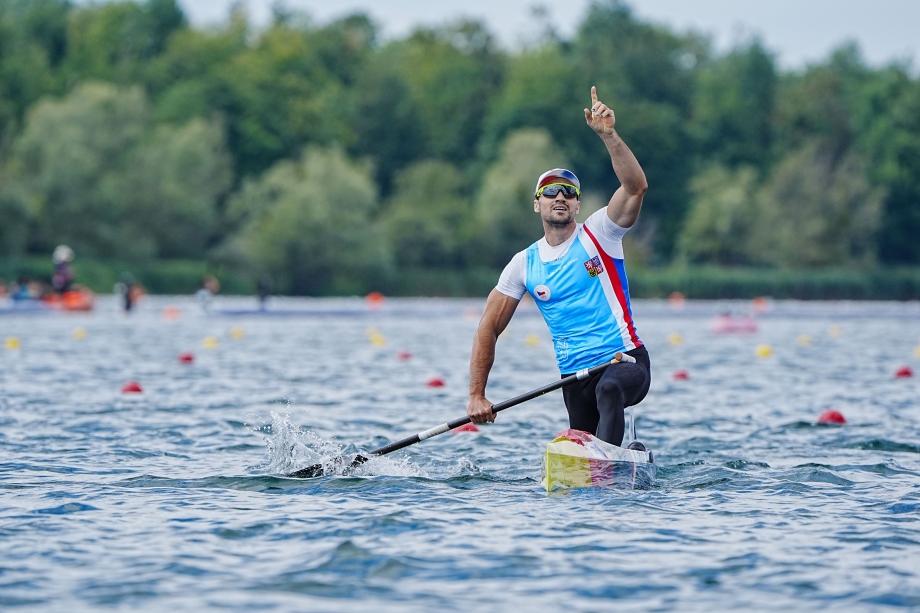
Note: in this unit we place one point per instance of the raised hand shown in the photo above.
(600, 117)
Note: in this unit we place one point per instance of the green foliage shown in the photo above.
(505, 203)
(815, 212)
(734, 106)
(93, 174)
(112, 41)
(308, 224)
(429, 216)
(132, 136)
(722, 217)
(32, 44)
(172, 184)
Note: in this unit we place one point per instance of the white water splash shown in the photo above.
(291, 447)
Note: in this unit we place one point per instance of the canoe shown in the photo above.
(577, 459)
(733, 324)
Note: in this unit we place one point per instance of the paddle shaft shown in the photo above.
(581, 375)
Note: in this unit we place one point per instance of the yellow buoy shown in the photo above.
(764, 351)
(79, 334)
(376, 338)
(835, 331)
(532, 340)
(804, 340)
(236, 333)
(12, 343)
(917, 351)
(209, 342)
(675, 339)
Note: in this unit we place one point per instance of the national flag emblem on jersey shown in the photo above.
(594, 266)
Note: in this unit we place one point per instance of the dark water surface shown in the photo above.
(171, 499)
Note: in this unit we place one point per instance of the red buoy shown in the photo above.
(131, 387)
(403, 356)
(186, 358)
(466, 428)
(831, 416)
(903, 373)
(435, 382)
(681, 375)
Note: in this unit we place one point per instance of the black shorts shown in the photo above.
(601, 398)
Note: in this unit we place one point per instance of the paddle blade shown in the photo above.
(341, 465)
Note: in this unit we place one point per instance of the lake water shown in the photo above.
(172, 499)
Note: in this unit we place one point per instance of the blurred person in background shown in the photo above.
(129, 291)
(575, 274)
(265, 290)
(208, 287)
(62, 277)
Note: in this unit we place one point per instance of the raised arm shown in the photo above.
(623, 208)
(495, 318)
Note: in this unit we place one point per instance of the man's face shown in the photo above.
(558, 211)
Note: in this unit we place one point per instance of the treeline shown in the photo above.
(334, 161)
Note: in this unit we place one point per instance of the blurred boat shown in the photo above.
(733, 324)
(577, 459)
(80, 300)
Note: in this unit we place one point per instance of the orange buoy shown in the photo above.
(831, 416)
(186, 357)
(435, 382)
(680, 375)
(131, 387)
(171, 313)
(374, 300)
(677, 301)
(466, 428)
(404, 356)
(760, 304)
(903, 373)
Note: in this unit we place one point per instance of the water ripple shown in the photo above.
(176, 498)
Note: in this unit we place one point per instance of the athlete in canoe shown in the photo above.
(576, 276)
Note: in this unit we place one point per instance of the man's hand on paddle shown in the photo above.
(480, 410)
(600, 117)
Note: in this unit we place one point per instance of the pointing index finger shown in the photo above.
(593, 95)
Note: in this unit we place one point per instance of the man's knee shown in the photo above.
(609, 387)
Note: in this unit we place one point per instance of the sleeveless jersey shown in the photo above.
(584, 296)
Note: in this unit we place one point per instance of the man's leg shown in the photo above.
(622, 385)
(581, 403)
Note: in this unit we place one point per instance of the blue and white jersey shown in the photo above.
(581, 289)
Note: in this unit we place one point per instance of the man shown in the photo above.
(576, 276)
(62, 277)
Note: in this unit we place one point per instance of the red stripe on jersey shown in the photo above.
(617, 283)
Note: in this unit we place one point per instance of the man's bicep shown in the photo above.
(499, 310)
(623, 208)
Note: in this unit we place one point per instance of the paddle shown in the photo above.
(344, 463)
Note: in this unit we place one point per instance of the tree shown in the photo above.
(32, 44)
(734, 107)
(504, 205)
(721, 218)
(645, 73)
(308, 224)
(430, 216)
(172, 185)
(814, 211)
(65, 160)
(95, 176)
(113, 41)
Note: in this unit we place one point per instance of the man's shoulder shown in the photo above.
(600, 224)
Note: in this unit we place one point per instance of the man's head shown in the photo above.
(557, 197)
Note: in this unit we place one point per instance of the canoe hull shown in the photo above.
(576, 459)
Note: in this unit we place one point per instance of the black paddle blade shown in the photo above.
(338, 466)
